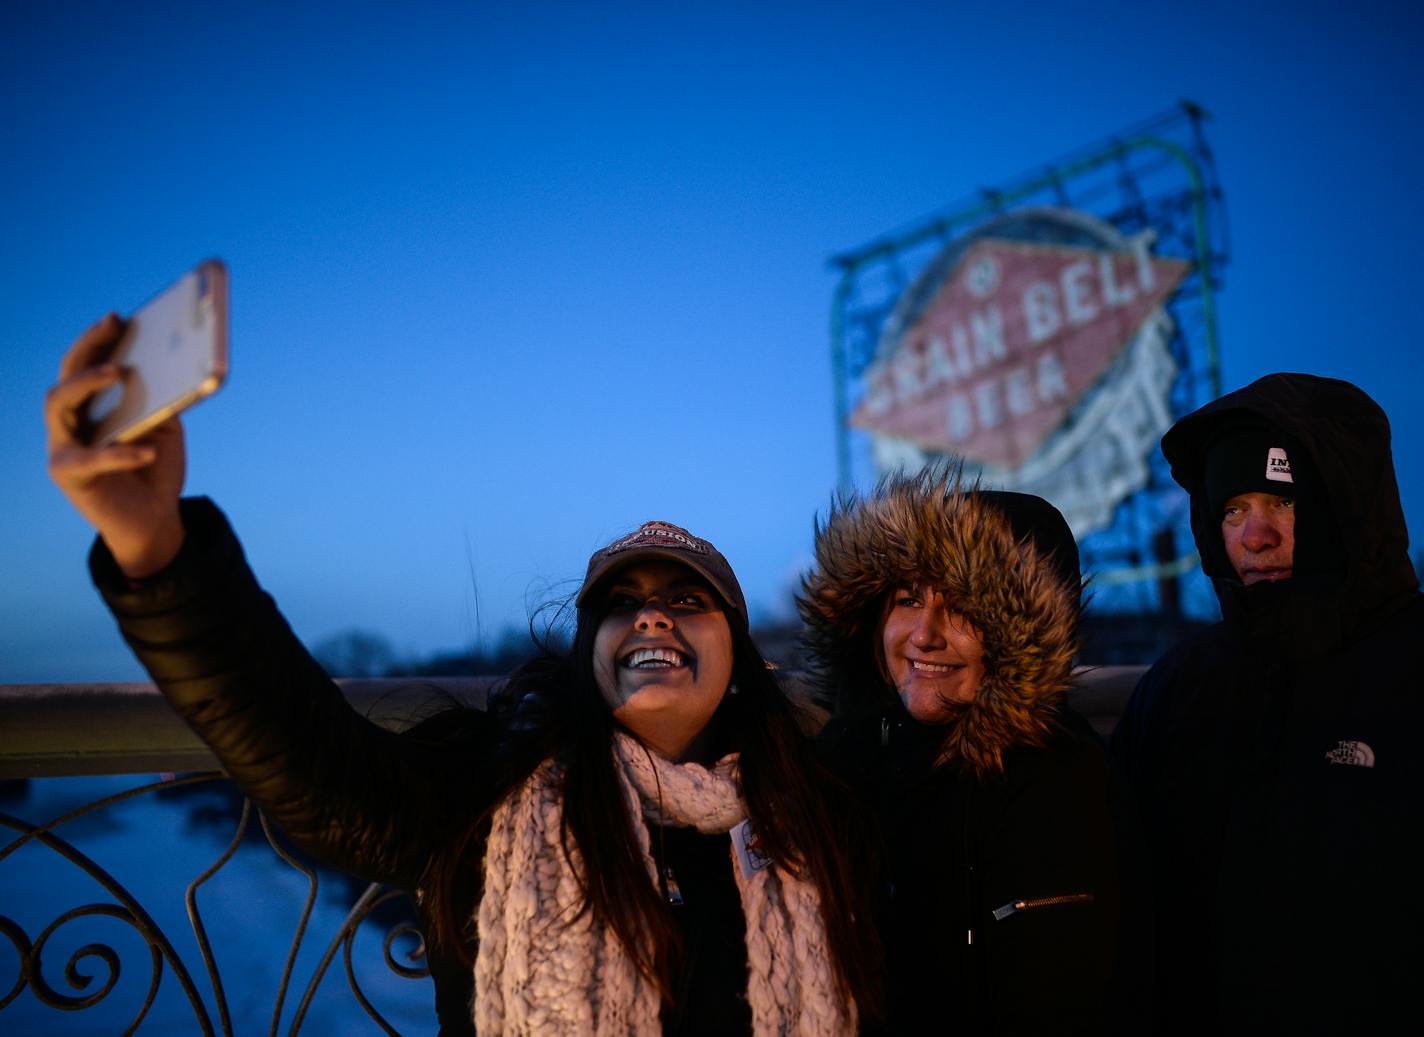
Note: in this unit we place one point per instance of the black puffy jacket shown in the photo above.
(384, 806)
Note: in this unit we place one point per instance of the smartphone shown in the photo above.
(173, 353)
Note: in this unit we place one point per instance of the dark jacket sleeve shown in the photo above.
(1136, 753)
(345, 790)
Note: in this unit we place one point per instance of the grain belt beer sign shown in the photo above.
(1036, 350)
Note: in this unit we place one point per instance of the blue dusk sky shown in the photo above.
(509, 279)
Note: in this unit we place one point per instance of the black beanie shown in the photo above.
(1253, 458)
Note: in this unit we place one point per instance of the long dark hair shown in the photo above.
(556, 710)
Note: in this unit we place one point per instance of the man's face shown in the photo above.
(1259, 532)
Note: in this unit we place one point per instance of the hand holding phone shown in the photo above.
(121, 464)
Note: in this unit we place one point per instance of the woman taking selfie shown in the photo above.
(633, 846)
(943, 620)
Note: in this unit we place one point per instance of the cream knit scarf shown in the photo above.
(539, 973)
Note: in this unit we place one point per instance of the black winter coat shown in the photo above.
(1274, 758)
(380, 805)
(998, 880)
(998, 892)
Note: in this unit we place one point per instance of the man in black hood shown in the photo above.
(1274, 759)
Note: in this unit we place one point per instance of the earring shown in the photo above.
(732, 688)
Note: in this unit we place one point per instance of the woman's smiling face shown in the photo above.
(662, 656)
(934, 655)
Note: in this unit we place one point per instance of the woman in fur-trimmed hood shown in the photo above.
(941, 621)
(1020, 592)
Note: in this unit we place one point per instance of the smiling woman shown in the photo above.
(934, 655)
(663, 657)
(635, 840)
(943, 619)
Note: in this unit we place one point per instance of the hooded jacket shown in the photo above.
(997, 873)
(1273, 758)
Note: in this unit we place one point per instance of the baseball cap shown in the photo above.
(663, 540)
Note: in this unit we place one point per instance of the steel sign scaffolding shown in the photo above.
(1136, 223)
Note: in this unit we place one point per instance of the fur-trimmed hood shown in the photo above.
(1012, 585)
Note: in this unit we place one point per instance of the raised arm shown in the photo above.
(175, 577)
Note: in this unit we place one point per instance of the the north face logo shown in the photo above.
(1352, 754)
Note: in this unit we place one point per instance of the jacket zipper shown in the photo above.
(1013, 907)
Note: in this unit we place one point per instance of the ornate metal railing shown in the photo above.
(56, 731)
(61, 731)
